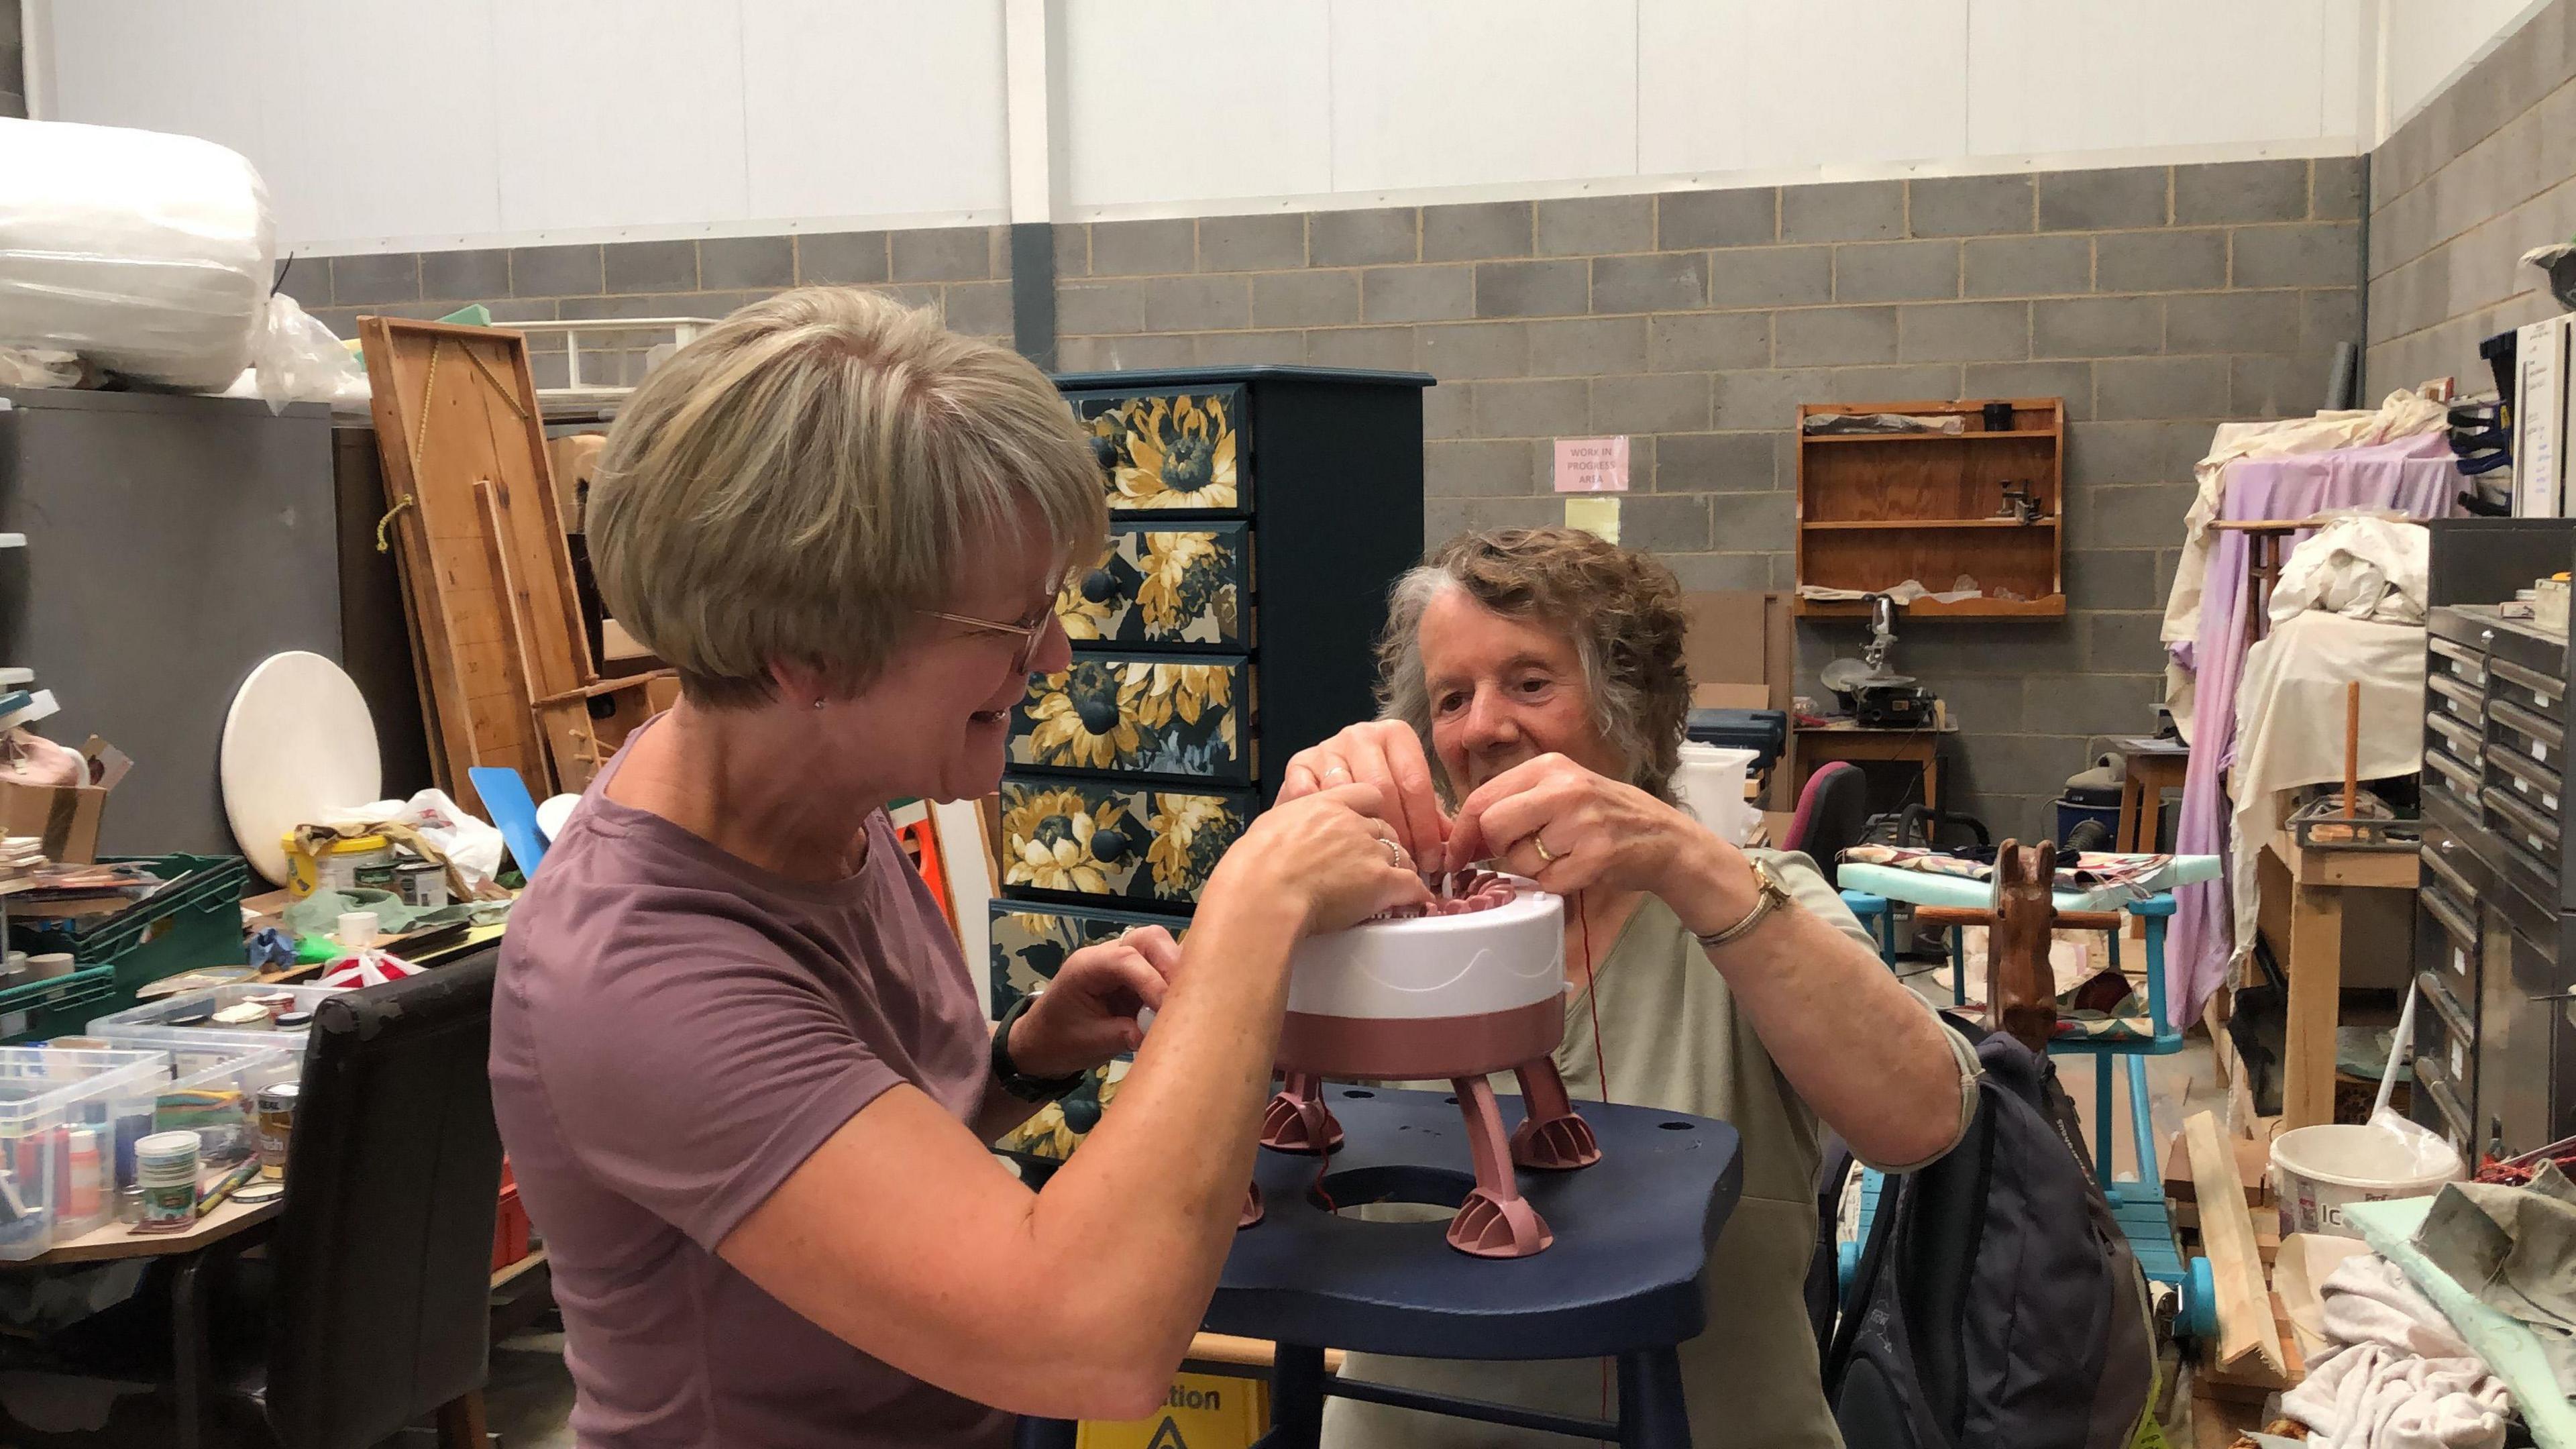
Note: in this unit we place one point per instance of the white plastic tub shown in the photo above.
(2318, 1171)
(1711, 782)
(151, 1025)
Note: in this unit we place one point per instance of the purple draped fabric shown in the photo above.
(2415, 476)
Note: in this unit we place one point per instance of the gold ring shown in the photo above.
(1544, 854)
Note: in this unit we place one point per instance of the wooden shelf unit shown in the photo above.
(1940, 492)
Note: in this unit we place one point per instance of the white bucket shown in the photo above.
(2317, 1170)
(1711, 781)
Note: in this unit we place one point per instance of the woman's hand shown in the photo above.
(1387, 754)
(1087, 1014)
(1329, 854)
(1598, 831)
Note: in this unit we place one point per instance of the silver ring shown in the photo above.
(1394, 852)
(1332, 770)
(1546, 855)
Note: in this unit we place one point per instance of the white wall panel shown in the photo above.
(1179, 100)
(872, 107)
(1478, 92)
(1749, 85)
(409, 142)
(2430, 41)
(624, 112)
(2050, 76)
(160, 66)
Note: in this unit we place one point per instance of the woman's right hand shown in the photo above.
(1328, 852)
(1385, 753)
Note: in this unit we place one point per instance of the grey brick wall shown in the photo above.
(962, 272)
(2481, 175)
(2157, 301)
(13, 65)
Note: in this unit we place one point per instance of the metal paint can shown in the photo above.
(276, 1125)
(419, 883)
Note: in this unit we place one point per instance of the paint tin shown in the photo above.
(276, 1126)
(166, 1164)
(419, 883)
(295, 1021)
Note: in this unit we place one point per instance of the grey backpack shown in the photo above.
(1996, 1301)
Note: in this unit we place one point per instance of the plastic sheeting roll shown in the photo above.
(147, 253)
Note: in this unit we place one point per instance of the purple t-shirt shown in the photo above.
(675, 1031)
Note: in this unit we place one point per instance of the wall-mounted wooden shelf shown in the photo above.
(2052, 607)
(1920, 437)
(1907, 525)
(1871, 518)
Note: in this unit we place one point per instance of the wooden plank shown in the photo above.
(455, 407)
(2315, 972)
(2244, 1301)
(116, 1240)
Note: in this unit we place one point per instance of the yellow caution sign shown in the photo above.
(1204, 1411)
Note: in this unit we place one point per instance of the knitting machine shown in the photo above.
(1470, 985)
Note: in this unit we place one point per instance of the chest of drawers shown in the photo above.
(1258, 516)
(2495, 928)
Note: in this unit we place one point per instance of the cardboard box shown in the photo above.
(66, 816)
(1741, 639)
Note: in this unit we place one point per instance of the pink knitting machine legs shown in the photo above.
(1297, 1119)
(1551, 1137)
(1252, 1209)
(1495, 1221)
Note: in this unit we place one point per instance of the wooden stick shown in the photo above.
(1944, 917)
(2244, 1299)
(2351, 746)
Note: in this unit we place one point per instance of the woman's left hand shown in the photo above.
(1087, 1014)
(1594, 830)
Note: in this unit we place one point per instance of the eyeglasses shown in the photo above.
(1031, 635)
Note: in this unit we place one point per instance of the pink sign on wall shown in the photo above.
(1592, 465)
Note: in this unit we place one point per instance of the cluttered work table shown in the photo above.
(2318, 879)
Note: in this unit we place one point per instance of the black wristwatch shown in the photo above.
(1040, 1090)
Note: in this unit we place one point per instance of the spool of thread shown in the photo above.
(166, 1169)
(357, 930)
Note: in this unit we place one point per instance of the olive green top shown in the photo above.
(1669, 1028)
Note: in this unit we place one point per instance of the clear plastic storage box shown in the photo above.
(163, 1025)
(66, 1117)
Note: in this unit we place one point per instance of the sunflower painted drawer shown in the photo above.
(1161, 585)
(1031, 941)
(1052, 1133)
(1110, 842)
(1162, 451)
(1156, 714)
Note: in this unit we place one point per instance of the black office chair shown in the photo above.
(375, 1287)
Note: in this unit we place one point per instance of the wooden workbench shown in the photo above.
(1816, 745)
(2318, 879)
(116, 1240)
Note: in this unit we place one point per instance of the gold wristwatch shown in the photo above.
(1771, 896)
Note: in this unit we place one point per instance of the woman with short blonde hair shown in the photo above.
(737, 1056)
(1534, 695)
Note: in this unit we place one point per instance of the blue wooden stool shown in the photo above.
(1621, 1282)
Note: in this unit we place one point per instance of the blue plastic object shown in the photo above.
(1877, 919)
(2197, 1315)
(505, 798)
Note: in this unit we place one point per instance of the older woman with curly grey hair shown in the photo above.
(1533, 680)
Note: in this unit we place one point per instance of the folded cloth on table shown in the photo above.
(2515, 1248)
(2399, 1377)
(2091, 871)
